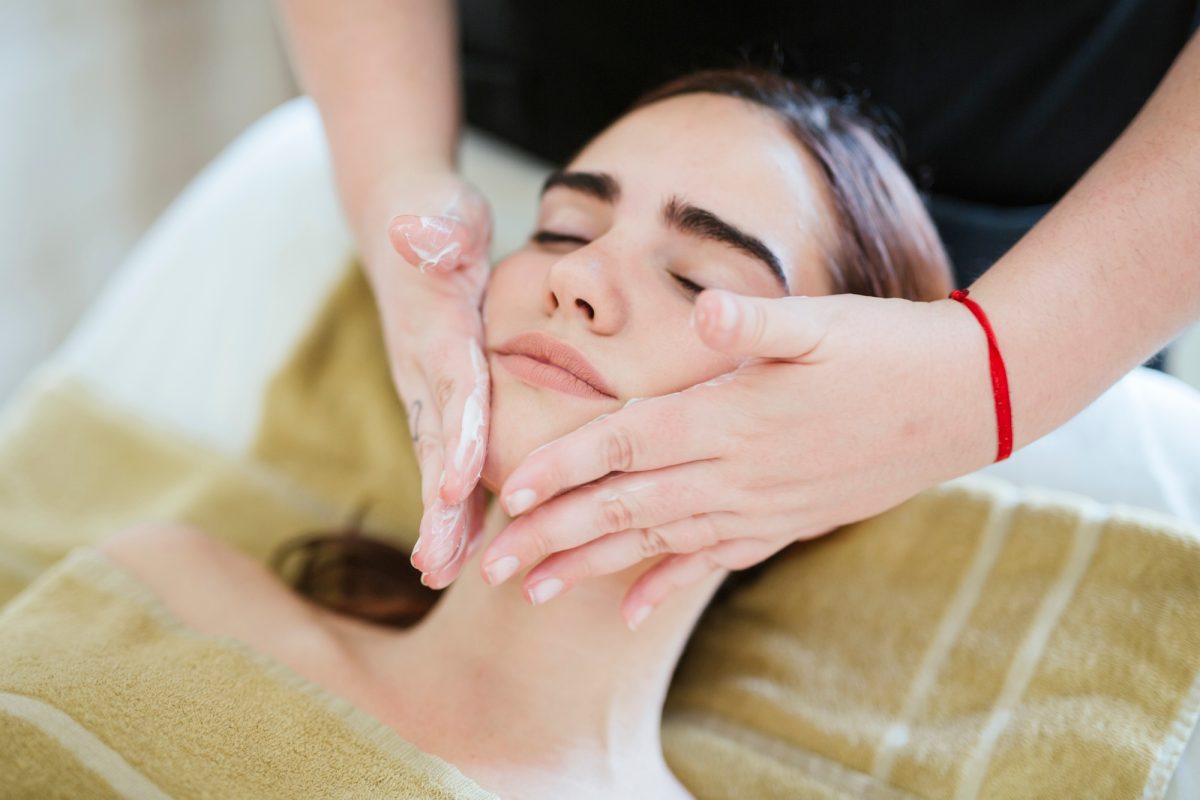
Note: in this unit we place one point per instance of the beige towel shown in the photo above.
(103, 694)
(977, 641)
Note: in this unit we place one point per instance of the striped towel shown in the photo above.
(978, 641)
(104, 694)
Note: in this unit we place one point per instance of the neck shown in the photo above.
(568, 677)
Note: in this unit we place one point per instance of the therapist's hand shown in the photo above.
(843, 407)
(428, 275)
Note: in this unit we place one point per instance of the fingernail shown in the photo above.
(423, 581)
(520, 501)
(501, 569)
(415, 550)
(443, 521)
(639, 617)
(545, 590)
(428, 237)
(730, 313)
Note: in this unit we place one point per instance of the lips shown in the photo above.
(539, 358)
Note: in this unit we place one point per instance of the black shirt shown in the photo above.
(1001, 106)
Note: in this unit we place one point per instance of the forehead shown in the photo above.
(729, 156)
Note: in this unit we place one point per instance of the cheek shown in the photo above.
(671, 356)
(508, 297)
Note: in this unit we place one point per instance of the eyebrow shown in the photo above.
(676, 213)
(687, 218)
(599, 185)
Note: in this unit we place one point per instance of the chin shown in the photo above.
(513, 436)
(522, 420)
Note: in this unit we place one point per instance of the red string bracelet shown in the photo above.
(999, 378)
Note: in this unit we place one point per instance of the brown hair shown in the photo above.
(355, 573)
(886, 246)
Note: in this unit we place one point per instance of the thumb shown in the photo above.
(785, 327)
(431, 242)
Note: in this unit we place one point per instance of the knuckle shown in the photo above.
(706, 527)
(673, 580)
(541, 544)
(620, 450)
(559, 474)
(443, 390)
(615, 514)
(654, 543)
(580, 568)
(701, 534)
(426, 449)
(711, 561)
(758, 325)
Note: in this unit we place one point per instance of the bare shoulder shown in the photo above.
(215, 589)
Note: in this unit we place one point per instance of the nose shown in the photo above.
(582, 286)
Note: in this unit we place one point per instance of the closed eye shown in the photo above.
(691, 287)
(550, 237)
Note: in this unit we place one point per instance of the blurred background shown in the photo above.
(109, 108)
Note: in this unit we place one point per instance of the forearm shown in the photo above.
(384, 74)
(1113, 271)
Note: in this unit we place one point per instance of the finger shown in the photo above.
(678, 571)
(431, 242)
(786, 327)
(465, 415)
(644, 500)
(458, 237)
(425, 428)
(619, 551)
(424, 424)
(443, 536)
(472, 527)
(653, 433)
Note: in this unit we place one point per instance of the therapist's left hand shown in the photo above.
(843, 407)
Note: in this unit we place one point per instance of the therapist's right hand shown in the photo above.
(428, 275)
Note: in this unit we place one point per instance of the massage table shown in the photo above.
(188, 334)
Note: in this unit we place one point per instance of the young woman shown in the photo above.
(729, 180)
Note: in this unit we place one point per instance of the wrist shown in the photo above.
(969, 424)
(1054, 369)
(997, 373)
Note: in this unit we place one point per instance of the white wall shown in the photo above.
(107, 108)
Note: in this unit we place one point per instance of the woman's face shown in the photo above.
(697, 191)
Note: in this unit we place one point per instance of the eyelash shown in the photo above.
(550, 237)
